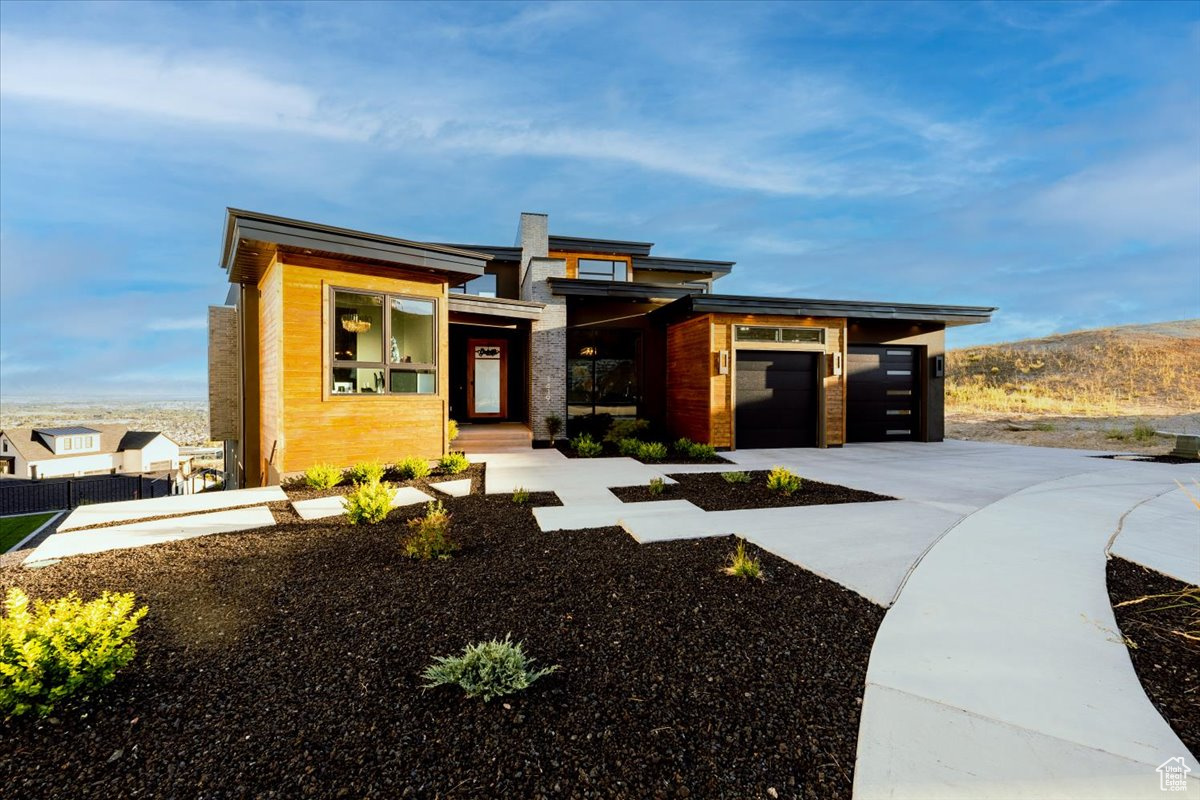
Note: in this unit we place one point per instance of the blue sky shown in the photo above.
(1041, 158)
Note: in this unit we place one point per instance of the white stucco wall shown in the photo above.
(78, 465)
(161, 449)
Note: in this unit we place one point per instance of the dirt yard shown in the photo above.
(1107, 434)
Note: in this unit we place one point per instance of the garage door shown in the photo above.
(882, 401)
(776, 399)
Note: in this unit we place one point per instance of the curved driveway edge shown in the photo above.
(1000, 673)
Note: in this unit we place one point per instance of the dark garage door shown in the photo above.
(776, 399)
(882, 401)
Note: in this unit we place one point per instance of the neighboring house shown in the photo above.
(91, 450)
(341, 346)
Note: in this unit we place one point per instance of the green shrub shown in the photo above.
(683, 445)
(553, 426)
(652, 451)
(586, 447)
(487, 669)
(429, 535)
(781, 479)
(741, 565)
(368, 503)
(736, 477)
(656, 486)
(520, 496)
(626, 429)
(1045, 427)
(322, 476)
(629, 447)
(451, 430)
(454, 462)
(61, 647)
(366, 472)
(412, 467)
(687, 447)
(1144, 433)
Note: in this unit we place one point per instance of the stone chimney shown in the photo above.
(548, 334)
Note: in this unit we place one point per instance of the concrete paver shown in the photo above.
(322, 507)
(1164, 535)
(460, 488)
(106, 513)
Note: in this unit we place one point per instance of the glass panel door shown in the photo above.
(487, 390)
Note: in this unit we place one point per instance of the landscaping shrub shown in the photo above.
(629, 447)
(520, 496)
(430, 534)
(1144, 433)
(366, 472)
(412, 467)
(454, 462)
(687, 447)
(652, 451)
(741, 565)
(656, 486)
(553, 426)
(368, 503)
(487, 669)
(61, 647)
(322, 476)
(736, 477)
(451, 430)
(586, 447)
(781, 479)
(626, 429)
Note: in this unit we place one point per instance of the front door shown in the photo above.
(487, 378)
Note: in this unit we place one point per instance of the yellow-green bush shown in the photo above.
(322, 476)
(430, 534)
(451, 430)
(454, 462)
(781, 479)
(412, 467)
(366, 472)
(368, 503)
(52, 650)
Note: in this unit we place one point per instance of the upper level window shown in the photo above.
(483, 286)
(700, 287)
(383, 344)
(748, 333)
(64, 444)
(601, 269)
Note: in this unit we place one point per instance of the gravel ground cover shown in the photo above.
(1167, 663)
(610, 451)
(296, 489)
(711, 492)
(286, 662)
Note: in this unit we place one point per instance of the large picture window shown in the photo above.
(601, 269)
(383, 344)
(602, 372)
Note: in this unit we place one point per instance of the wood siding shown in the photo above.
(310, 424)
(687, 395)
(270, 372)
(690, 375)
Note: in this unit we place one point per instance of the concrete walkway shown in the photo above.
(106, 513)
(1000, 673)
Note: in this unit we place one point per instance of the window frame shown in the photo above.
(387, 366)
(594, 276)
(820, 344)
(462, 287)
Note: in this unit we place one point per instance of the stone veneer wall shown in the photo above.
(548, 334)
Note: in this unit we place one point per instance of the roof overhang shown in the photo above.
(497, 252)
(627, 290)
(581, 244)
(803, 307)
(252, 240)
(494, 307)
(683, 265)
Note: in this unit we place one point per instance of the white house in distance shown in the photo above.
(91, 450)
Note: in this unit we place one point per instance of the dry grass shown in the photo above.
(1108, 372)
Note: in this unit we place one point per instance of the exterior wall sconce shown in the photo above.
(723, 362)
(837, 364)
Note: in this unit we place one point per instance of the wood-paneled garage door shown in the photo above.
(776, 399)
(882, 394)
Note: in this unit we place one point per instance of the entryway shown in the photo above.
(488, 366)
(501, 437)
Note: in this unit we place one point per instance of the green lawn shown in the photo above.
(14, 529)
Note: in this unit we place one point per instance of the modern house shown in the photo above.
(93, 450)
(341, 346)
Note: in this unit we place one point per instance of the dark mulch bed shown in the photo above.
(286, 663)
(1167, 663)
(297, 490)
(610, 451)
(1152, 459)
(711, 492)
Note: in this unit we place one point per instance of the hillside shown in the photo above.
(1101, 384)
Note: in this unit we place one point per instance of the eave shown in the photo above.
(683, 265)
(804, 307)
(494, 306)
(627, 290)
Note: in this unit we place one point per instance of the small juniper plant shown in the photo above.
(743, 566)
(50, 650)
(520, 496)
(322, 476)
(412, 467)
(454, 462)
(366, 472)
(368, 503)
(656, 486)
(429, 536)
(486, 669)
(782, 480)
(736, 477)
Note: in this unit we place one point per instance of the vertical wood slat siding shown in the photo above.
(270, 370)
(312, 426)
(685, 351)
(689, 374)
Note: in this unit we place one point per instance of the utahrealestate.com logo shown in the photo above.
(1173, 775)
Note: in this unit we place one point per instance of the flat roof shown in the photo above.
(664, 263)
(252, 239)
(807, 307)
(586, 244)
(629, 290)
(495, 251)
